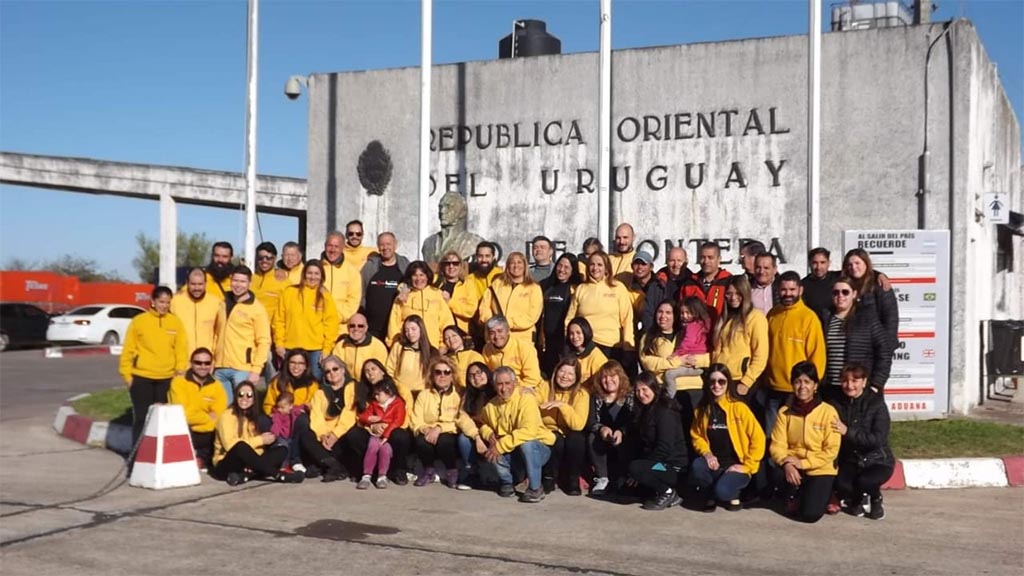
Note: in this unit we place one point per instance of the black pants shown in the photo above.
(567, 456)
(813, 494)
(145, 392)
(446, 450)
(609, 461)
(242, 456)
(628, 359)
(853, 481)
(657, 476)
(313, 452)
(357, 440)
(202, 442)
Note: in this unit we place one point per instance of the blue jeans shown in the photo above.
(229, 378)
(528, 458)
(467, 451)
(726, 486)
(314, 364)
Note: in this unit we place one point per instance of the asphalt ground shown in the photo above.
(66, 509)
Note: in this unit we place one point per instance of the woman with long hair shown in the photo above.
(579, 345)
(437, 420)
(296, 378)
(457, 346)
(741, 336)
(612, 409)
(357, 441)
(478, 392)
(852, 335)
(606, 305)
(875, 295)
(240, 450)
(557, 290)
(514, 295)
(409, 360)
(565, 410)
(306, 318)
(332, 416)
(462, 297)
(660, 446)
(419, 298)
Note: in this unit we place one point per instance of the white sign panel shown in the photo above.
(917, 264)
(997, 207)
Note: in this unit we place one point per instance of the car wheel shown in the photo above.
(111, 339)
(5, 341)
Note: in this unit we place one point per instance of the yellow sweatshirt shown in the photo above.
(227, 436)
(428, 304)
(609, 311)
(300, 323)
(217, 289)
(346, 288)
(622, 266)
(514, 422)
(590, 364)
(463, 358)
(662, 360)
(243, 337)
(432, 409)
(794, 335)
(198, 317)
(403, 364)
(810, 438)
(302, 394)
(357, 256)
(482, 282)
(517, 355)
(571, 416)
(520, 304)
(744, 432)
(747, 348)
(268, 288)
(320, 424)
(199, 400)
(464, 302)
(154, 347)
(355, 355)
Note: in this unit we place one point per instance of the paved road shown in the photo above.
(65, 509)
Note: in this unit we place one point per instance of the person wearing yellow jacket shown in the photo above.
(727, 439)
(511, 425)
(462, 295)
(342, 279)
(455, 340)
(579, 339)
(203, 399)
(503, 350)
(196, 306)
(409, 359)
(741, 335)
(605, 303)
(420, 299)
(485, 266)
(516, 296)
(355, 253)
(805, 446)
(436, 419)
(218, 272)
(268, 282)
(332, 415)
(243, 334)
(358, 346)
(621, 258)
(306, 318)
(295, 378)
(155, 350)
(565, 411)
(241, 450)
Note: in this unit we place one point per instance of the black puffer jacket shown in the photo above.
(866, 342)
(882, 304)
(866, 441)
(657, 434)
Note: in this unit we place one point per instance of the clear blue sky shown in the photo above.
(164, 83)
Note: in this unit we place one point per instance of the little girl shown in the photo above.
(283, 425)
(692, 340)
(381, 417)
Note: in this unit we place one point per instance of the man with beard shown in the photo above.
(355, 252)
(218, 272)
(675, 273)
(380, 278)
(484, 267)
(623, 254)
(289, 268)
(710, 283)
(197, 307)
(341, 278)
(358, 346)
(243, 334)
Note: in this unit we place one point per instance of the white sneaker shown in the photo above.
(299, 468)
(599, 487)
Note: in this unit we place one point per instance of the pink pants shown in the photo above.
(379, 453)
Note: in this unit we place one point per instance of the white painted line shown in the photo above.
(62, 416)
(53, 353)
(77, 397)
(955, 473)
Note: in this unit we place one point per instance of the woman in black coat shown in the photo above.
(874, 291)
(853, 334)
(557, 290)
(657, 437)
(865, 459)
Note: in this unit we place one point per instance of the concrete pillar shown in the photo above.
(168, 241)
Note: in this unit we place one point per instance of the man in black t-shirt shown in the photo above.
(381, 275)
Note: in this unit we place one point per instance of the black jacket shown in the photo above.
(882, 303)
(867, 343)
(867, 437)
(600, 415)
(654, 294)
(657, 434)
(818, 291)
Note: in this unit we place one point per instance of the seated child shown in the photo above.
(383, 415)
(283, 425)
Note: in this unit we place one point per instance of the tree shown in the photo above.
(193, 250)
(85, 269)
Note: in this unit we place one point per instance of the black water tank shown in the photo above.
(532, 39)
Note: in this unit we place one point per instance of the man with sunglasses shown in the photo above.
(267, 284)
(355, 253)
(358, 346)
(203, 399)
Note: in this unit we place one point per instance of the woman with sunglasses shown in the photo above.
(462, 297)
(306, 318)
(455, 346)
(514, 295)
(853, 335)
(727, 439)
(332, 415)
(419, 298)
(437, 419)
(240, 451)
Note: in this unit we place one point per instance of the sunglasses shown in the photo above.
(357, 325)
(262, 258)
(441, 372)
(842, 292)
(357, 234)
(721, 381)
(334, 369)
(200, 363)
(245, 394)
(455, 263)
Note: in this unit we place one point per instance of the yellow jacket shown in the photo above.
(346, 288)
(794, 335)
(482, 282)
(320, 424)
(744, 432)
(571, 416)
(432, 409)
(609, 311)
(217, 289)
(464, 302)
(302, 394)
(227, 436)
(243, 337)
(299, 323)
(463, 358)
(403, 364)
(268, 288)
(514, 421)
(356, 354)
(520, 304)
(357, 256)
(428, 304)
(662, 360)
(590, 364)
(198, 318)
(199, 400)
(517, 355)
(622, 266)
(154, 347)
(810, 438)
(747, 348)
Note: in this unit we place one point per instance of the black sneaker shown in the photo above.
(313, 471)
(853, 507)
(293, 477)
(733, 505)
(399, 478)
(548, 484)
(710, 505)
(666, 499)
(877, 510)
(506, 490)
(532, 496)
(236, 478)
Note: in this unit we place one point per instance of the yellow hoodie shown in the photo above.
(218, 289)
(662, 360)
(403, 364)
(794, 335)
(463, 358)
(346, 288)
(199, 400)
(514, 421)
(357, 256)
(299, 323)
(433, 409)
(744, 432)
(320, 424)
(428, 304)
(154, 347)
(609, 311)
(227, 436)
(302, 394)
(622, 267)
(482, 282)
(243, 337)
(590, 364)
(811, 439)
(571, 416)
(198, 317)
(464, 302)
(268, 288)
(747, 348)
(517, 355)
(520, 304)
(355, 355)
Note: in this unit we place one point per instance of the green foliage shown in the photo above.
(955, 438)
(193, 250)
(105, 405)
(85, 269)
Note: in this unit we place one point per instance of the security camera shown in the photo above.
(293, 88)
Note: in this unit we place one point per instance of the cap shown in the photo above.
(644, 256)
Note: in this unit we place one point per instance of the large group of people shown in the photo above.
(557, 372)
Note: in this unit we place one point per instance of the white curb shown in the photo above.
(955, 473)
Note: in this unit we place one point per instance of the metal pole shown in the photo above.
(604, 133)
(250, 135)
(168, 242)
(814, 125)
(425, 62)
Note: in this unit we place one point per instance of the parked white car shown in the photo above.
(93, 324)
